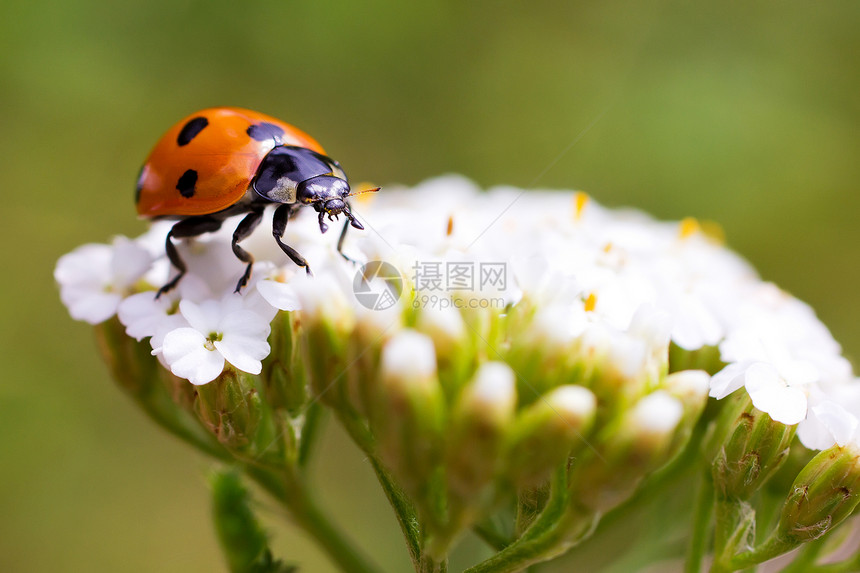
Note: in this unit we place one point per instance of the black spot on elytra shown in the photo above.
(139, 187)
(186, 183)
(190, 130)
(264, 131)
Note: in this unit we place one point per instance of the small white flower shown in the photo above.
(94, 279)
(217, 330)
(776, 381)
(583, 273)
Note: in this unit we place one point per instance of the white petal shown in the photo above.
(90, 306)
(841, 424)
(87, 264)
(813, 434)
(728, 380)
(783, 404)
(142, 313)
(243, 353)
(204, 316)
(245, 324)
(798, 372)
(167, 324)
(278, 294)
(183, 349)
(761, 377)
(695, 325)
(129, 262)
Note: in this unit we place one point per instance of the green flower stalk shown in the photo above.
(544, 376)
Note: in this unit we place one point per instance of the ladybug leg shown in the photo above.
(245, 228)
(279, 225)
(190, 227)
(350, 221)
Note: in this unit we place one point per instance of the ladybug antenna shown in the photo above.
(354, 193)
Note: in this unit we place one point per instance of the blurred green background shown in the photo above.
(746, 113)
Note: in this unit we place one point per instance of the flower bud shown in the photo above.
(327, 320)
(478, 422)
(444, 325)
(455, 351)
(691, 388)
(130, 362)
(544, 353)
(231, 408)
(408, 409)
(824, 493)
(374, 327)
(283, 370)
(627, 451)
(753, 449)
(548, 432)
(161, 394)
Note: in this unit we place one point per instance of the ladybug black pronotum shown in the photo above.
(225, 161)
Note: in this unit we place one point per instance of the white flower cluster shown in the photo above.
(601, 280)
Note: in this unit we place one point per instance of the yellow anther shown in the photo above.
(359, 192)
(607, 248)
(580, 200)
(590, 302)
(450, 228)
(689, 226)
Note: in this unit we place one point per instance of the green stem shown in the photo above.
(704, 511)
(400, 503)
(310, 431)
(291, 490)
(773, 547)
(403, 510)
(556, 528)
(428, 565)
(729, 532)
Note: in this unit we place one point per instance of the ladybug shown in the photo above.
(225, 161)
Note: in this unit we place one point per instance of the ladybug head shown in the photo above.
(327, 195)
